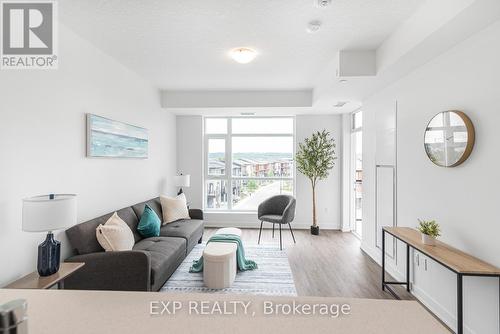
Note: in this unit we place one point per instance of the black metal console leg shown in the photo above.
(273, 230)
(460, 318)
(383, 260)
(407, 267)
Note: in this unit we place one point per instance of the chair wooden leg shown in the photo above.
(290, 226)
(260, 231)
(273, 230)
(281, 244)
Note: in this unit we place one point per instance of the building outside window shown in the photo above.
(247, 160)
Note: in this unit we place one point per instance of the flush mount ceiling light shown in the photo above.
(243, 55)
(313, 26)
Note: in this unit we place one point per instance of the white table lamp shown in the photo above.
(182, 181)
(48, 213)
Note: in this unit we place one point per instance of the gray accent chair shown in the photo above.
(146, 267)
(279, 209)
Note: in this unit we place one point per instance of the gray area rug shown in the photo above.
(272, 278)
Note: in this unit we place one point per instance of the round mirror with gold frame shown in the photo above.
(449, 138)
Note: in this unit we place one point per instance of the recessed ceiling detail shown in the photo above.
(237, 99)
(178, 46)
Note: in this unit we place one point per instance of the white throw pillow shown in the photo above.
(174, 208)
(115, 235)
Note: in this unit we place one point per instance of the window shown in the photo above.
(357, 120)
(357, 172)
(248, 159)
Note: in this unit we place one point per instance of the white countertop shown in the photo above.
(86, 312)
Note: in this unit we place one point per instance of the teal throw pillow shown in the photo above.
(149, 225)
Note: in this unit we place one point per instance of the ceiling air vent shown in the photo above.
(322, 3)
(340, 104)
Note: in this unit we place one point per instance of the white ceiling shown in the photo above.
(183, 44)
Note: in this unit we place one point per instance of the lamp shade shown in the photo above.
(182, 180)
(49, 212)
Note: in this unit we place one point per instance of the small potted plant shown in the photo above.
(430, 231)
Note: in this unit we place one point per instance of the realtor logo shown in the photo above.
(28, 35)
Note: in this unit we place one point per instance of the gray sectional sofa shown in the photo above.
(146, 267)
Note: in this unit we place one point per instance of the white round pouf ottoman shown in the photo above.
(229, 230)
(219, 265)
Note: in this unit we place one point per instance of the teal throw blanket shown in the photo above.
(243, 263)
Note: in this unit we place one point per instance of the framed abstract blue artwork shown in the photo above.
(107, 138)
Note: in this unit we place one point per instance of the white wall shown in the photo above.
(189, 161)
(462, 199)
(42, 143)
(328, 206)
(190, 156)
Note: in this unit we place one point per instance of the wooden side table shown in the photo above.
(35, 281)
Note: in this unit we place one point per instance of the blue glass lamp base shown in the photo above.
(49, 256)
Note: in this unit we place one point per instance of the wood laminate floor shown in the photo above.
(329, 265)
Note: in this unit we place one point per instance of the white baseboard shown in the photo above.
(439, 310)
(371, 252)
(256, 224)
(390, 266)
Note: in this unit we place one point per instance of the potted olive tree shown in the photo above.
(430, 231)
(315, 158)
